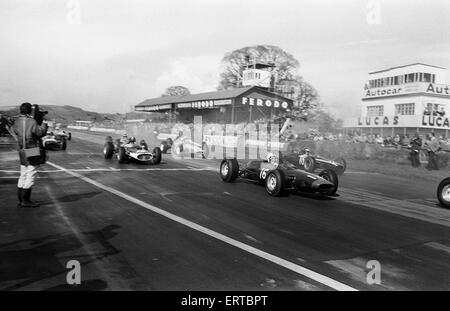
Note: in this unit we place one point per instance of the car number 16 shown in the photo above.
(263, 173)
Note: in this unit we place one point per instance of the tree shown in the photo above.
(305, 95)
(234, 62)
(288, 82)
(176, 90)
(324, 121)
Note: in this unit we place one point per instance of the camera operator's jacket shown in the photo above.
(32, 134)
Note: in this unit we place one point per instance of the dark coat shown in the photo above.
(26, 125)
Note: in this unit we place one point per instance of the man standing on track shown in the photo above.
(416, 145)
(432, 144)
(28, 133)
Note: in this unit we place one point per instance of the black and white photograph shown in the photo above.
(224, 151)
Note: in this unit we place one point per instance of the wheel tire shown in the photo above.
(332, 177)
(443, 192)
(70, 136)
(64, 144)
(205, 149)
(164, 147)
(275, 183)
(343, 163)
(310, 164)
(229, 170)
(121, 155)
(156, 155)
(179, 150)
(108, 150)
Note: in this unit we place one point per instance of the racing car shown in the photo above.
(184, 145)
(310, 162)
(53, 141)
(63, 133)
(279, 177)
(127, 150)
(443, 192)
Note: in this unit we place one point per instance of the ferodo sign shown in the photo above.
(264, 103)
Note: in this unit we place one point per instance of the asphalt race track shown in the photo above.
(177, 226)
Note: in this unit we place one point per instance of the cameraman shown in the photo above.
(27, 130)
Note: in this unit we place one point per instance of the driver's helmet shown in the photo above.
(272, 158)
(305, 151)
(132, 139)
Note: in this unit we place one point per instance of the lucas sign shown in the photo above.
(264, 103)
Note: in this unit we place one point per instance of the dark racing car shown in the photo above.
(279, 177)
(127, 150)
(310, 162)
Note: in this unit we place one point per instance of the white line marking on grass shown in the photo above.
(252, 250)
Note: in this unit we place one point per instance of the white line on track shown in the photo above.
(110, 169)
(250, 249)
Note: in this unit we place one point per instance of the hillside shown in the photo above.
(69, 114)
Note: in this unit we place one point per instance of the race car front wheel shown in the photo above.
(229, 170)
(443, 192)
(342, 162)
(178, 150)
(156, 155)
(275, 183)
(108, 150)
(332, 177)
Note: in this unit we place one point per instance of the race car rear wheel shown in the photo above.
(156, 155)
(332, 177)
(121, 155)
(443, 192)
(164, 147)
(229, 170)
(275, 183)
(342, 162)
(108, 150)
(309, 164)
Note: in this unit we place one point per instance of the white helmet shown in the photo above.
(272, 158)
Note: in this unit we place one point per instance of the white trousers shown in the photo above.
(27, 176)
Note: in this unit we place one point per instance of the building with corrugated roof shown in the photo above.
(237, 105)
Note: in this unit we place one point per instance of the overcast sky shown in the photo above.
(125, 51)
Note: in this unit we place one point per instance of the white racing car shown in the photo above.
(53, 141)
(183, 145)
(129, 151)
(63, 133)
